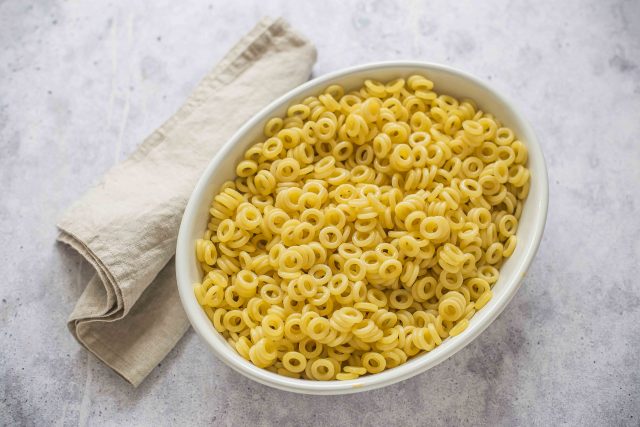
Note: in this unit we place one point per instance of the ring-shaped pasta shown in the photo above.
(373, 362)
(363, 229)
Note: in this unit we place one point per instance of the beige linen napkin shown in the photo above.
(130, 314)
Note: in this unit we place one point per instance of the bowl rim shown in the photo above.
(415, 366)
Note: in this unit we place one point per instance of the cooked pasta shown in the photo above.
(363, 230)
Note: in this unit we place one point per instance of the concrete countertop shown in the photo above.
(82, 83)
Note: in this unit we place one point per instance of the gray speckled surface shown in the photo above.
(81, 83)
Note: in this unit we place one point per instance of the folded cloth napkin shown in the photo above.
(130, 314)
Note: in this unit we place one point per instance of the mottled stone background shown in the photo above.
(81, 83)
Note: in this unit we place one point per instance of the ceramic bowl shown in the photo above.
(222, 167)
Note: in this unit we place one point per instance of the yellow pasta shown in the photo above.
(364, 229)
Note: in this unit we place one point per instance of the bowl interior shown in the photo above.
(222, 168)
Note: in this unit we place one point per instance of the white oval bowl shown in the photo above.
(222, 167)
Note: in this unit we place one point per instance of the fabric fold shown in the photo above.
(126, 227)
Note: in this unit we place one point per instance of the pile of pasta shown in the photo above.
(363, 230)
